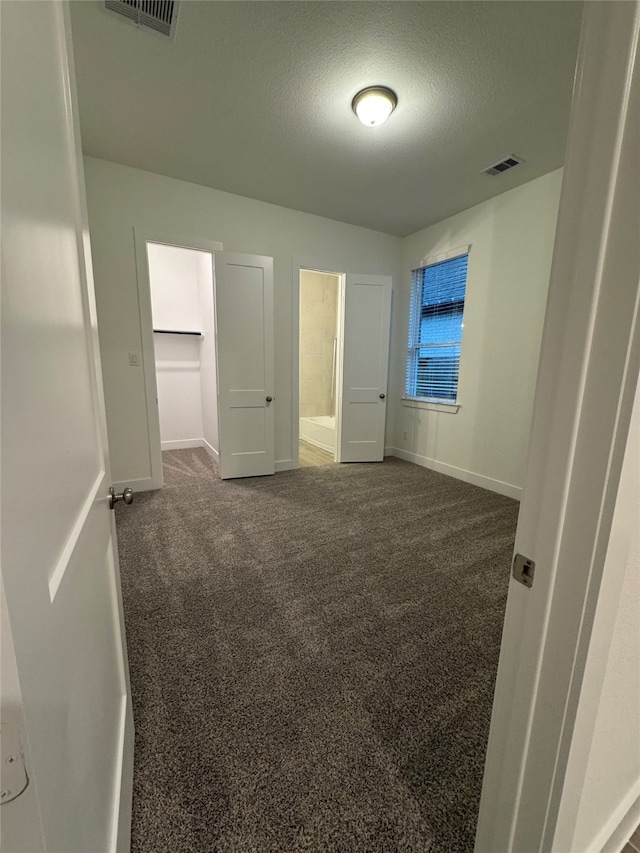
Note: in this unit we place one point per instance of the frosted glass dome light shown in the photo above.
(374, 105)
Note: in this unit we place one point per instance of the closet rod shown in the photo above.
(175, 332)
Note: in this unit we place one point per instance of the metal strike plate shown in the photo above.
(523, 570)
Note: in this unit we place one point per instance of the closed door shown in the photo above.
(244, 339)
(59, 554)
(367, 313)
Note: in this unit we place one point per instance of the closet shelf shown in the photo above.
(176, 332)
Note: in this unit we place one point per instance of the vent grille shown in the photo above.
(503, 165)
(158, 15)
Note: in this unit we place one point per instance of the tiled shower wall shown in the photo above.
(318, 328)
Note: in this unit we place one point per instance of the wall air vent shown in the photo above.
(503, 165)
(158, 15)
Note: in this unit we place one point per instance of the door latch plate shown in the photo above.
(523, 570)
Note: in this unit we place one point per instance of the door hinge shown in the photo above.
(523, 570)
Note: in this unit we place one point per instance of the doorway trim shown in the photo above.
(142, 236)
(586, 385)
(314, 265)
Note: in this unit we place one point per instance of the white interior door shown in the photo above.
(367, 314)
(244, 337)
(59, 556)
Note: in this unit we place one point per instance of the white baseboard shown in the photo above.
(145, 484)
(619, 828)
(210, 449)
(319, 444)
(498, 486)
(285, 465)
(182, 444)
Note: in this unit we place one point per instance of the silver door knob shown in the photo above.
(382, 396)
(269, 398)
(114, 497)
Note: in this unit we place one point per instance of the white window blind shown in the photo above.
(435, 329)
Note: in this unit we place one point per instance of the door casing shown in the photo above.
(587, 379)
(141, 238)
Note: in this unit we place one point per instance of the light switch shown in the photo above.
(134, 359)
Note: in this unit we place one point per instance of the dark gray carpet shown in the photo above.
(312, 656)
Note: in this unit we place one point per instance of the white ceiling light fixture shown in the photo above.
(374, 105)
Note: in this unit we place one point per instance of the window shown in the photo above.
(435, 329)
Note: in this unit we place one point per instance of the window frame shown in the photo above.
(413, 343)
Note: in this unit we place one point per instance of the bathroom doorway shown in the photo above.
(319, 366)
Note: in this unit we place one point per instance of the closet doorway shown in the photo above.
(320, 348)
(207, 353)
(182, 311)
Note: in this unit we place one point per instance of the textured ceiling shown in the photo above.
(255, 99)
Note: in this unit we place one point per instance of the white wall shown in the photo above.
(176, 305)
(120, 198)
(173, 274)
(511, 236)
(512, 241)
(318, 331)
(611, 788)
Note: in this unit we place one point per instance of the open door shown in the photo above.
(367, 314)
(244, 337)
(554, 650)
(71, 717)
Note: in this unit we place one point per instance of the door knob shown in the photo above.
(269, 398)
(126, 496)
(382, 396)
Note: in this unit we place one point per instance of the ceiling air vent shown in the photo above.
(158, 15)
(503, 166)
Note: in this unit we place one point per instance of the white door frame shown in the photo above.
(586, 383)
(314, 265)
(141, 237)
